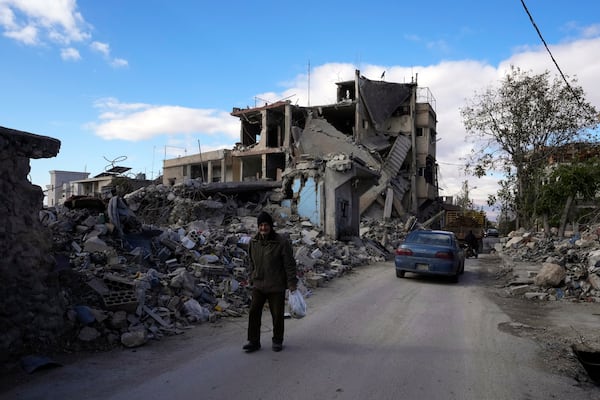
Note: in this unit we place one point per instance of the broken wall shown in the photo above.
(309, 190)
(31, 311)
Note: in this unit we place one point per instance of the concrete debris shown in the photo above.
(88, 334)
(550, 275)
(133, 339)
(162, 258)
(546, 267)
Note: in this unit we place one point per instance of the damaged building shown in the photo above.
(371, 153)
(94, 273)
(65, 185)
(317, 169)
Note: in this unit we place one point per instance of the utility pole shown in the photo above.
(201, 164)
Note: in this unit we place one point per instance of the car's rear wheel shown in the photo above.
(400, 274)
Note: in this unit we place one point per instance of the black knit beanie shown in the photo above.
(264, 217)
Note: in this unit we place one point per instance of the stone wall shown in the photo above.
(31, 314)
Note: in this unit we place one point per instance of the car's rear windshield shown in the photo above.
(438, 239)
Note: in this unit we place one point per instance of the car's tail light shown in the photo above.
(404, 252)
(446, 255)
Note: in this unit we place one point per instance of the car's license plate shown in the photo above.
(422, 267)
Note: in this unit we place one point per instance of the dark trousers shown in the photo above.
(277, 307)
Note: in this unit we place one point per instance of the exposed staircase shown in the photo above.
(390, 169)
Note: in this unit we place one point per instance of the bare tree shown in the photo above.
(516, 126)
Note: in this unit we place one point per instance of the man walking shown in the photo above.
(272, 271)
(473, 243)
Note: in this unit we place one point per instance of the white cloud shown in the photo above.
(104, 49)
(70, 54)
(7, 17)
(588, 31)
(57, 19)
(100, 47)
(27, 35)
(119, 63)
(137, 121)
(58, 22)
(591, 31)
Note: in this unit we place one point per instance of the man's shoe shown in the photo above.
(251, 346)
(277, 346)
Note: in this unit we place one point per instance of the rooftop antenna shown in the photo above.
(261, 99)
(153, 154)
(308, 83)
(113, 161)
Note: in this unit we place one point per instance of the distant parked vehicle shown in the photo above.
(491, 232)
(430, 252)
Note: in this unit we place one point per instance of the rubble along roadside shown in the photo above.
(549, 286)
(158, 260)
(548, 268)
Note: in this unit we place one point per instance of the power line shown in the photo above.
(552, 57)
(447, 163)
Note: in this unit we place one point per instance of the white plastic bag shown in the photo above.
(195, 311)
(297, 304)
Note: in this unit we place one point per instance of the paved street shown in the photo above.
(368, 335)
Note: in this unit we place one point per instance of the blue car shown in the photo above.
(429, 252)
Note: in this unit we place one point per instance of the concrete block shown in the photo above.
(314, 281)
(125, 300)
(518, 290)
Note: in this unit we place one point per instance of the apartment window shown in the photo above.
(429, 172)
(420, 131)
(432, 135)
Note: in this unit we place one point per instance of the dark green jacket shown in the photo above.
(272, 263)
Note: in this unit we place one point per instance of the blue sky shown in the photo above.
(144, 79)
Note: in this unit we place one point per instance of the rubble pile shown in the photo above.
(163, 258)
(553, 268)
